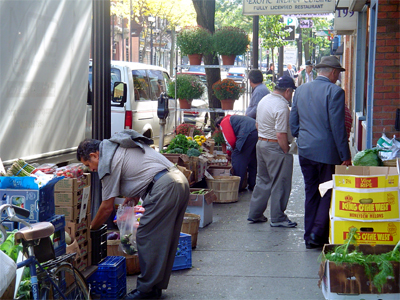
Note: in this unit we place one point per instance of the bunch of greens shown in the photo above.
(378, 267)
(367, 157)
(180, 144)
(9, 247)
(20, 168)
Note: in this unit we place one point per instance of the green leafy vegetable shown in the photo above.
(368, 157)
(182, 143)
(193, 152)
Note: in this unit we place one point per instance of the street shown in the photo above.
(235, 259)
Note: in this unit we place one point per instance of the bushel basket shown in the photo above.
(226, 188)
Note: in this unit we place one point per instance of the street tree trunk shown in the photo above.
(205, 10)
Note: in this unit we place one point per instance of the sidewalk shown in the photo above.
(238, 260)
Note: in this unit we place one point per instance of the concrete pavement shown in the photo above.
(235, 259)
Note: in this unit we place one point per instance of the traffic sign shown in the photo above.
(291, 30)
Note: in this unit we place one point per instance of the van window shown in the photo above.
(115, 77)
(141, 85)
(157, 83)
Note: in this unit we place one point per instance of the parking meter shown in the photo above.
(162, 109)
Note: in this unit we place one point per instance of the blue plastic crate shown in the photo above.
(60, 250)
(109, 281)
(183, 257)
(58, 222)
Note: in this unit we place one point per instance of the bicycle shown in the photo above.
(51, 278)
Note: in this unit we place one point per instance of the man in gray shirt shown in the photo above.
(259, 91)
(127, 166)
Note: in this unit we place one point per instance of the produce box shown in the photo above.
(24, 192)
(219, 170)
(366, 205)
(202, 205)
(356, 177)
(371, 233)
(78, 231)
(180, 159)
(70, 213)
(183, 256)
(349, 281)
(68, 199)
(70, 185)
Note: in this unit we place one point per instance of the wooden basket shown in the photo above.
(389, 163)
(226, 188)
(190, 226)
(132, 261)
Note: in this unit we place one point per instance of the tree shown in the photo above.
(230, 13)
(205, 10)
(272, 32)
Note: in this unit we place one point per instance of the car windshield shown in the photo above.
(237, 70)
(196, 69)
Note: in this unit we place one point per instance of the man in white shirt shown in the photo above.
(290, 72)
(274, 163)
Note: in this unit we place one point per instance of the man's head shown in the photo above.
(289, 66)
(309, 66)
(218, 122)
(256, 77)
(330, 67)
(285, 87)
(88, 153)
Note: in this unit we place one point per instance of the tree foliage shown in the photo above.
(230, 13)
(271, 30)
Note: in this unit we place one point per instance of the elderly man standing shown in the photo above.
(259, 91)
(307, 75)
(317, 119)
(274, 163)
(290, 72)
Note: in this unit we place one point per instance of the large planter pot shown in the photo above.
(195, 59)
(185, 104)
(227, 104)
(228, 60)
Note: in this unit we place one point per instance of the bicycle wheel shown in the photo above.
(71, 283)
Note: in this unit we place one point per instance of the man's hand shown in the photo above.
(131, 201)
(347, 162)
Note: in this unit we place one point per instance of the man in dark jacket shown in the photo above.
(241, 136)
(317, 119)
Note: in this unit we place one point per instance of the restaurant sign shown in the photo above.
(286, 7)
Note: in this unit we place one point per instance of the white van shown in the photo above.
(144, 85)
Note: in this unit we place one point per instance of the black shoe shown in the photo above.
(259, 220)
(250, 188)
(311, 245)
(136, 294)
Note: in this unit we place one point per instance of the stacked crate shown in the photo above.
(70, 196)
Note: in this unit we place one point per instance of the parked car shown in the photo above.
(238, 74)
(137, 109)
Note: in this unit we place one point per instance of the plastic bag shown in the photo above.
(127, 223)
(8, 272)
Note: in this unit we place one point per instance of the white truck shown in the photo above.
(44, 56)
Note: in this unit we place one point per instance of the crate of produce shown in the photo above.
(219, 170)
(25, 192)
(183, 256)
(70, 185)
(109, 281)
(226, 188)
(201, 203)
(99, 244)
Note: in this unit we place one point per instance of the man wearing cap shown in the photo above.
(317, 119)
(274, 163)
(259, 91)
(307, 75)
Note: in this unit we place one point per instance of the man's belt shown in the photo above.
(155, 178)
(268, 140)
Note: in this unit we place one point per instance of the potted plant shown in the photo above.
(185, 129)
(188, 87)
(219, 139)
(230, 41)
(227, 91)
(194, 41)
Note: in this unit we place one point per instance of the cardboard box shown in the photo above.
(24, 192)
(68, 199)
(71, 213)
(371, 233)
(366, 205)
(349, 281)
(219, 170)
(202, 205)
(70, 185)
(78, 231)
(366, 177)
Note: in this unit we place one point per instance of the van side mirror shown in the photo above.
(120, 92)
